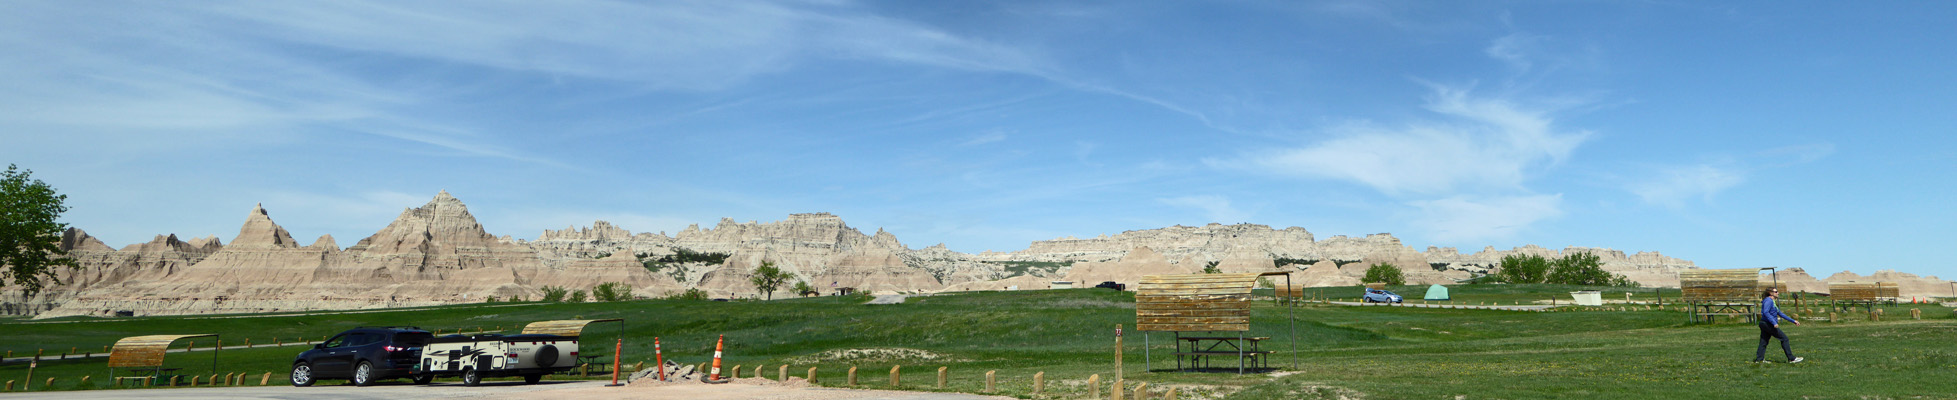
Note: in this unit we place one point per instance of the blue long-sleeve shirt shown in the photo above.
(1770, 313)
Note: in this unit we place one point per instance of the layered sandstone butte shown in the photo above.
(439, 254)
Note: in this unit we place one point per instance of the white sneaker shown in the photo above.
(1797, 360)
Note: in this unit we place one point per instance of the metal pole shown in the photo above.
(1292, 312)
(1146, 362)
(1240, 352)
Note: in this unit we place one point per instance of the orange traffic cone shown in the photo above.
(718, 345)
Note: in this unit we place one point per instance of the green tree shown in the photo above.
(612, 291)
(553, 294)
(30, 238)
(577, 296)
(1210, 268)
(767, 278)
(1524, 269)
(1384, 272)
(802, 287)
(1583, 269)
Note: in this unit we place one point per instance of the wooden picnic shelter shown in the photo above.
(1710, 293)
(138, 354)
(1849, 295)
(1206, 306)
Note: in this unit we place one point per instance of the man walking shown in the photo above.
(1770, 317)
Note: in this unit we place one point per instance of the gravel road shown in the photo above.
(504, 390)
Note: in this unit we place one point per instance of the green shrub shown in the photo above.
(1210, 268)
(577, 296)
(555, 294)
(612, 291)
(689, 294)
(1384, 272)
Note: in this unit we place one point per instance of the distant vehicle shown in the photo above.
(1112, 285)
(363, 355)
(474, 357)
(1381, 296)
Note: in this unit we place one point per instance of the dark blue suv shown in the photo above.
(364, 355)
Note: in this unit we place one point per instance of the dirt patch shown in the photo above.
(872, 355)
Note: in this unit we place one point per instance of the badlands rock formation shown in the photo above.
(439, 254)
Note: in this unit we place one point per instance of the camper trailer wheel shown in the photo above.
(469, 377)
(363, 375)
(302, 375)
(424, 379)
(533, 378)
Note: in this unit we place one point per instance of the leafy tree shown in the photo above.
(1584, 269)
(802, 287)
(1210, 268)
(689, 294)
(612, 291)
(555, 294)
(30, 239)
(767, 278)
(1524, 269)
(577, 296)
(490, 299)
(1384, 272)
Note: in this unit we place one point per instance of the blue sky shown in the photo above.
(1737, 134)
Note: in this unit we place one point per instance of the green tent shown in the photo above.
(1437, 292)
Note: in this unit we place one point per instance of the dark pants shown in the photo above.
(1769, 331)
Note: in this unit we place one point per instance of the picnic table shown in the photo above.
(597, 360)
(1711, 310)
(1203, 348)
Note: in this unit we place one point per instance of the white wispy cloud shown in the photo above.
(1676, 186)
(1215, 207)
(1480, 218)
(1673, 186)
(1490, 144)
(993, 136)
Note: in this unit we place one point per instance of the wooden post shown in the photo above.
(1832, 317)
(811, 375)
(1039, 382)
(1114, 390)
(736, 372)
(85, 379)
(1141, 391)
(784, 372)
(1171, 395)
(852, 377)
(247, 342)
(989, 381)
(585, 370)
(1117, 354)
(941, 377)
(173, 380)
(193, 380)
(49, 385)
(893, 375)
(229, 379)
(267, 380)
(214, 380)
(1094, 386)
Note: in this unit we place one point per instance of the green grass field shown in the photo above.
(1369, 352)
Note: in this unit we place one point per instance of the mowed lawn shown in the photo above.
(1349, 352)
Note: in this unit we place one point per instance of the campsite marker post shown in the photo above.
(1117, 352)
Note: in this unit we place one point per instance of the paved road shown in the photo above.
(502, 390)
(1464, 307)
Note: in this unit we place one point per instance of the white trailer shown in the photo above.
(474, 357)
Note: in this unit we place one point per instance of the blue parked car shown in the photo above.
(1381, 296)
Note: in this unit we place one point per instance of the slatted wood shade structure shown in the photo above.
(1721, 285)
(1887, 291)
(1852, 291)
(1195, 302)
(569, 327)
(144, 351)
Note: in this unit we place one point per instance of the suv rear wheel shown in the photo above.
(302, 375)
(363, 375)
(470, 378)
